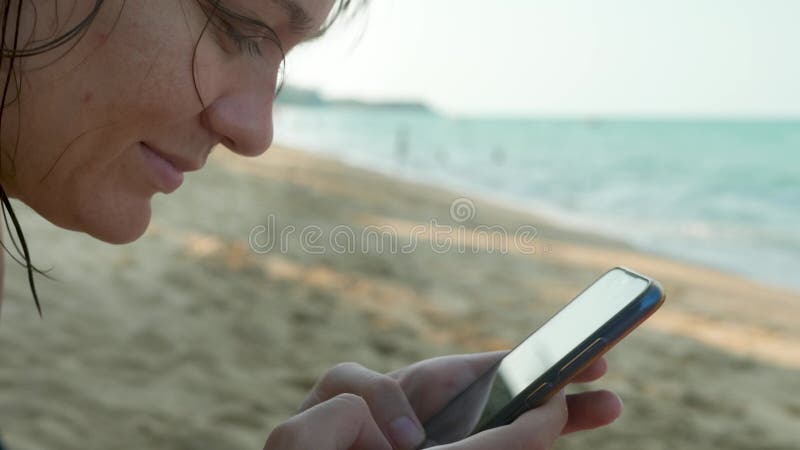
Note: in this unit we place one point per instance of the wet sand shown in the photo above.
(197, 337)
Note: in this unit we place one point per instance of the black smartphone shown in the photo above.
(550, 357)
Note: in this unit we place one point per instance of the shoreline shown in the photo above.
(542, 212)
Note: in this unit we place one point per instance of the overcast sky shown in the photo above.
(566, 57)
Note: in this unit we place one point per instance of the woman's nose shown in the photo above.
(243, 121)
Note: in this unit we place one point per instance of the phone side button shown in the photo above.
(592, 349)
(534, 399)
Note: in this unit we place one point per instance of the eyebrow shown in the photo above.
(299, 20)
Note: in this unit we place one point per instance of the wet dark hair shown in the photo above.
(217, 14)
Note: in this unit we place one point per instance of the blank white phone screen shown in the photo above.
(567, 329)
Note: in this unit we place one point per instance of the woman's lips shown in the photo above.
(168, 178)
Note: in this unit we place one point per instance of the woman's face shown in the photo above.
(100, 127)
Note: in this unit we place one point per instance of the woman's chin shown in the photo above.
(119, 223)
(112, 217)
(121, 233)
(118, 236)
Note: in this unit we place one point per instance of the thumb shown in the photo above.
(341, 423)
(536, 429)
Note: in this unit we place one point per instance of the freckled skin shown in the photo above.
(85, 110)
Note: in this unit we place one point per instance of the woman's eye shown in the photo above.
(251, 45)
(243, 42)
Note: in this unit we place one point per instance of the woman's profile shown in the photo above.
(108, 102)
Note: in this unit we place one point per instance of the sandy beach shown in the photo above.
(206, 333)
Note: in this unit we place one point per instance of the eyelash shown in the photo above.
(252, 45)
(243, 42)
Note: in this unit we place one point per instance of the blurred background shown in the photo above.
(668, 124)
(658, 135)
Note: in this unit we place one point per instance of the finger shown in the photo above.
(592, 372)
(591, 410)
(384, 396)
(341, 423)
(536, 429)
(429, 385)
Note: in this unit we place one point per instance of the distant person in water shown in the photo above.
(441, 156)
(401, 143)
(499, 155)
(108, 102)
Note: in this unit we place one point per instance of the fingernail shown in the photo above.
(621, 406)
(405, 433)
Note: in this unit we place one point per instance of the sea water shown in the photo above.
(721, 193)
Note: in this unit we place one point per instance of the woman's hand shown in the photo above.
(394, 405)
(430, 384)
(342, 423)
